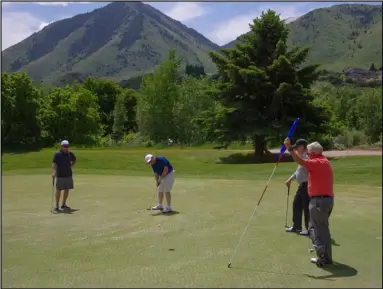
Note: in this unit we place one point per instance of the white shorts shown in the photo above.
(167, 182)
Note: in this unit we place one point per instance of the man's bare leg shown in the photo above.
(168, 198)
(160, 198)
(66, 194)
(58, 194)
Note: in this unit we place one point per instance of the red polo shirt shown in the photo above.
(321, 178)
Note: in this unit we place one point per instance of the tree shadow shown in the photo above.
(336, 270)
(250, 158)
(22, 150)
(165, 214)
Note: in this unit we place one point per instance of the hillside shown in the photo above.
(340, 37)
(120, 40)
(127, 39)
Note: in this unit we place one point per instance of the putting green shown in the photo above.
(113, 241)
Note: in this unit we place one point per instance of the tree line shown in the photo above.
(261, 86)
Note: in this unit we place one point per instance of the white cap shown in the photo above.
(65, 143)
(148, 158)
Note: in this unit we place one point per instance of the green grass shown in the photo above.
(201, 163)
(113, 241)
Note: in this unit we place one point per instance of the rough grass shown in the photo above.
(111, 240)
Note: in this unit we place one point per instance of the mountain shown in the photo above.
(120, 40)
(127, 39)
(340, 37)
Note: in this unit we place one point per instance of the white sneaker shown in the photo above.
(167, 210)
(158, 207)
(304, 233)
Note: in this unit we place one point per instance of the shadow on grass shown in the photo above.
(69, 212)
(16, 151)
(166, 214)
(265, 271)
(250, 158)
(336, 270)
(334, 243)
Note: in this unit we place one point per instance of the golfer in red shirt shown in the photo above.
(321, 193)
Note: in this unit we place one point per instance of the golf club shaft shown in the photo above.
(255, 209)
(287, 204)
(53, 191)
(155, 192)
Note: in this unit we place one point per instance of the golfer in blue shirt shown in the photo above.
(164, 176)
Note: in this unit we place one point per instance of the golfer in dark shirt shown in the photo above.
(62, 164)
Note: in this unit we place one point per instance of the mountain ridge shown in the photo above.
(126, 39)
(108, 48)
(337, 35)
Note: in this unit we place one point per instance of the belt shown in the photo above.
(320, 197)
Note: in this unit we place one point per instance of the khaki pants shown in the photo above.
(167, 183)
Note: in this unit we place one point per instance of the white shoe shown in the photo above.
(304, 233)
(158, 207)
(167, 210)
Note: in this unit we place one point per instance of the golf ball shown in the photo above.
(159, 225)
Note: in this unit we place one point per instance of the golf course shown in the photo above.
(175, 145)
(110, 239)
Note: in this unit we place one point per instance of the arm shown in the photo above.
(74, 159)
(54, 168)
(159, 177)
(165, 172)
(297, 158)
(54, 165)
(293, 176)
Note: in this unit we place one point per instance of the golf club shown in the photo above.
(53, 192)
(282, 150)
(155, 192)
(287, 205)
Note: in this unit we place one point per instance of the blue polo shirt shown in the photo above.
(161, 163)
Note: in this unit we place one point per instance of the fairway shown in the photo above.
(111, 240)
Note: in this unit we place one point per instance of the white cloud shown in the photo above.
(64, 4)
(185, 11)
(59, 3)
(16, 26)
(43, 24)
(229, 30)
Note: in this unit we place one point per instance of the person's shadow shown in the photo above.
(69, 212)
(334, 243)
(336, 270)
(166, 214)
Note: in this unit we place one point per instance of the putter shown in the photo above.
(53, 192)
(287, 205)
(155, 192)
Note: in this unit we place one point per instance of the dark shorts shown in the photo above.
(64, 184)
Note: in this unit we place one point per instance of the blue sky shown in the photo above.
(221, 22)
